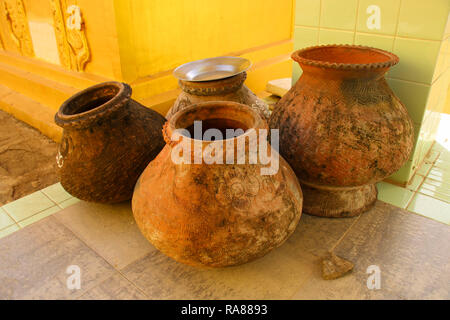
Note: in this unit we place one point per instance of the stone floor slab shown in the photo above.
(34, 263)
(275, 276)
(109, 229)
(115, 287)
(278, 275)
(411, 252)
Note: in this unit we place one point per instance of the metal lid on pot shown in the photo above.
(212, 69)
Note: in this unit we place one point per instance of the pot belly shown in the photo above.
(340, 142)
(215, 215)
(331, 142)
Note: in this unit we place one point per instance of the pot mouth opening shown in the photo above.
(345, 57)
(229, 119)
(93, 101)
(82, 104)
(227, 127)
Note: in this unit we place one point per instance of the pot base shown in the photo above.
(338, 202)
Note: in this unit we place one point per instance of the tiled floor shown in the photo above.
(407, 249)
(34, 207)
(429, 192)
(116, 261)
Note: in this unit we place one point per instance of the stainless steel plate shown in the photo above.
(211, 68)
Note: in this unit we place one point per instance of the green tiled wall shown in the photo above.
(417, 31)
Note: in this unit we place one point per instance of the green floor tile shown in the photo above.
(39, 216)
(56, 193)
(68, 202)
(444, 155)
(443, 185)
(430, 207)
(432, 156)
(435, 194)
(438, 147)
(7, 231)
(442, 166)
(439, 174)
(424, 168)
(5, 219)
(442, 163)
(415, 182)
(436, 189)
(394, 195)
(27, 206)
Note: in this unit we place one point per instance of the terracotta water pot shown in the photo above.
(342, 129)
(228, 89)
(108, 140)
(216, 215)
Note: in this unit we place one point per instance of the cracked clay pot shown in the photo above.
(342, 129)
(108, 140)
(216, 215)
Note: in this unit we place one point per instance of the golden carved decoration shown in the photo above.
(69, 27)
(17, 25)
(60, 32)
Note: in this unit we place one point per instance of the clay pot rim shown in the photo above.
(63, 118)
(170, 125)
(214, 87)
(392, 58)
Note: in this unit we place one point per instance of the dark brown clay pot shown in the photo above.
(108, 140)
(342, 129)
(228, 89)
(215, 215)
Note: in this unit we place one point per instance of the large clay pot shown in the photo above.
(228, 89)
(216, 215)
(108, 140)
(342, 128)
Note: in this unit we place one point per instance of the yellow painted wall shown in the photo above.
(155, 36)
(38, 10)
(6, 42)
(101, 32)
(42, 32)
(140, 42)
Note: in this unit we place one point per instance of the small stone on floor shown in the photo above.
(334, 267)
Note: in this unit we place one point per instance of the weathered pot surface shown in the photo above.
(227, 89)
(108, 140)
(342, 129)
(215, 215)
